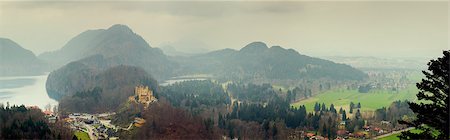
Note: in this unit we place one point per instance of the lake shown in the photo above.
(27, 90)
(177, 79)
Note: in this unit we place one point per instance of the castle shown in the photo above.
(143, 95)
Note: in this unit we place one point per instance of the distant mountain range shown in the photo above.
(184, 47)
(15, 60)
(95, 51)
(257, 61)
(172, 51)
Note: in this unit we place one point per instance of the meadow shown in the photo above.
(395, 136)
(369, 101)
(391, 137)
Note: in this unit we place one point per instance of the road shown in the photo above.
(393, 132)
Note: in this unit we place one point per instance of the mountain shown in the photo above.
(15, 60)
(257, 61)
(184, 47)
(171, 51)
(117, 45)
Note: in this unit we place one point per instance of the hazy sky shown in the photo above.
(381, 29)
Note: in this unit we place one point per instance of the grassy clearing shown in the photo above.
(369, 101)
(82, 135)
(391, 137)
(395, 136)
(278, 87)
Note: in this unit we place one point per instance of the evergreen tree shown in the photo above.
(357, 114)
(352, 105)
(332, 109)
(324, 108)
(221, 121)
(289, 96)
(274, 130)
(324, 129)
(294, 95)
(344, 116)
(316, 107)
(330, 124)
(266, 127)
(231, 132)
(433, 111)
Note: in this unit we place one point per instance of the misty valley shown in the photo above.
(110, 83)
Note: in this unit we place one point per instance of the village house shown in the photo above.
(139, 122)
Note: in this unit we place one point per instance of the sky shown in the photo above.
(315, 28)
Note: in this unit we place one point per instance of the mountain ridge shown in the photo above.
(18, 61)
(118, 45)
(256, 60)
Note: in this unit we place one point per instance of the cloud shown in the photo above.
(211, 9)
(315, 28)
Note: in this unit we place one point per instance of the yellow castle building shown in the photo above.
(143, 95)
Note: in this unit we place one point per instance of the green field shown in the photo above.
(391, 137)
(369, 101)
(82, 135)
(395, 136)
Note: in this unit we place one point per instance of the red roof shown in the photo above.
(377, 129)
(341, 132)
(359, 134)
(47, 112)
(33, 107)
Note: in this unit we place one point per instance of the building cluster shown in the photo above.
(394, 80)
(97, 126)
(51, 116)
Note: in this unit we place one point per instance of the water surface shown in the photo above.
(27, 90)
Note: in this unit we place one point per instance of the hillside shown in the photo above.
(15, 60)
(257, 61)
(77, 85)
(119, 45)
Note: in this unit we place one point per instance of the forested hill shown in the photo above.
(78, 84)
(256, 60)
(118, 45)
(15, 60)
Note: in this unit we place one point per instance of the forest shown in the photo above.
(253, 111)
(20, 122)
